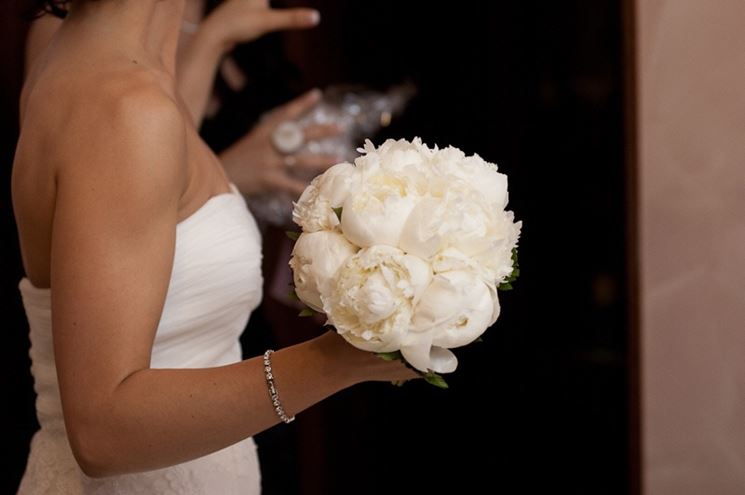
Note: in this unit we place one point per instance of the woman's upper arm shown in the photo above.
(119, 175)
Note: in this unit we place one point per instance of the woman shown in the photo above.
(144, 261)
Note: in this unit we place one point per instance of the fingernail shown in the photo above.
(314, 17)
(314, 93)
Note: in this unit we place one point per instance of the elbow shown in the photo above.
(92, 469)
(100, 442)
(93, 450)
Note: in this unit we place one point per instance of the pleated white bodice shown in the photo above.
(215, 284)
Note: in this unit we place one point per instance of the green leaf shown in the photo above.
(507, 283)
(479, 340)
(292, 234)
(434, 379)
(338, 212)
(390, 356)
(431, 377)
(306, 312)
(293, 295)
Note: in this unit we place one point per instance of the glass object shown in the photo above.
(360, 112)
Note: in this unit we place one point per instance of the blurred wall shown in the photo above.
(692, 213)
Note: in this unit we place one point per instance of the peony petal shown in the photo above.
(420, 275)
(310, 297)
(420, 235)
(442, 360)
(314, 210)
(452, 259)
(496, 308)
(456, 308)
(417, 354)
(485, 178)
(438, 304)
(473, 318)
(367, 220)
(369, 345)
(337, 183)
(425, 357)
(316, 257)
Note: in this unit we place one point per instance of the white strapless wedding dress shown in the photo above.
(215, 284)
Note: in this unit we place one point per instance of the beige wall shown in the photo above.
(692, 192)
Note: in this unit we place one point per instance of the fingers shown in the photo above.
(321, 131)
(399, 372)
(295, 108)
(284, 182)
(316, 162)
(232, 74)
(278, 20)
(407, 373)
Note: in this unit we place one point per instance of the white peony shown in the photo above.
(484, 177)
(394, 155)
(315, 259)
(481, 175)
(314, 210)
(453, 260)
(503, 238)
(373, 300)
(447, 161)
(376, 212)
(455, 310)
(451, 215)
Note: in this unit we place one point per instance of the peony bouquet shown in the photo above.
(405, 250)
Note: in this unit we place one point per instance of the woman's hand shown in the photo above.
(233, 22)
(241, 21)
(361, 366)
(254, 165)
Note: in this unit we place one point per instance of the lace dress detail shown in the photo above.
(215, 284)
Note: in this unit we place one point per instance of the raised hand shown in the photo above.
(254, 164)
(233, 22)
(241, 21)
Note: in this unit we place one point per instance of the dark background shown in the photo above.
(542, 404)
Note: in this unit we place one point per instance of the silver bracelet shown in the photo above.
(273, 395)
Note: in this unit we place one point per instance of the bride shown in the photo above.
(142, 267)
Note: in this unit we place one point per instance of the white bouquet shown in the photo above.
(405, 249)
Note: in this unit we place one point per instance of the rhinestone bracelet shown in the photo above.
(273, 395)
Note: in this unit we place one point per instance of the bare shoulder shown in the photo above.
(120, 125)
(130, 105)
(119, 94)
(96, 147)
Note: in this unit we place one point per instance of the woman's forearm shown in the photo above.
(161, 417)
(197, 70)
